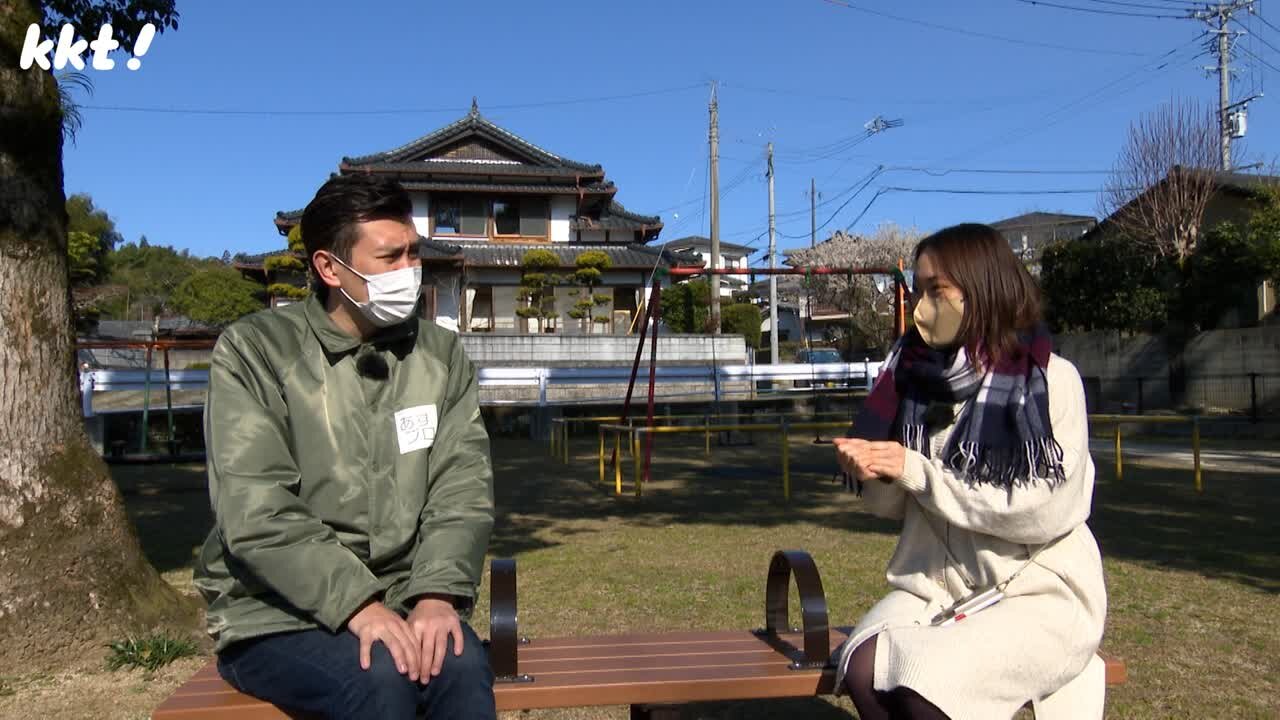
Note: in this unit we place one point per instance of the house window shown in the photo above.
(446, 216)
(534, 216)
(469, 215)
(475, 220)
(523, 216)
(506, 216)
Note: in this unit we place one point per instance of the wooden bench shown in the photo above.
(642, 670)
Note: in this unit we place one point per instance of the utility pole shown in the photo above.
(773, 279)
(714, 279)
(1224, 86)
(813, 215)
(1219, 16)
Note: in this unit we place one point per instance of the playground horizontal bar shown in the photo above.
(682, 429)
(616, 418)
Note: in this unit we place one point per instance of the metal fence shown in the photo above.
(156, 386)
(1252, 395)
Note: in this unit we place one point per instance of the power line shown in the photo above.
(1100, 11)
(691, 201)
(388, 111)
(939, 172)
(869, 178)
(1120, 3)
(871, 202)
(1154, 65)
(864, 101)
(974, 33)
(829, 201)
(1253, 55)
(984, 191)
(1265, 21)
(1263, 40)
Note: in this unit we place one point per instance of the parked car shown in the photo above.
(819, 356)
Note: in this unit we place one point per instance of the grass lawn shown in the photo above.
(1194, 580)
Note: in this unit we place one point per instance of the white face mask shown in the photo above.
(392, 295)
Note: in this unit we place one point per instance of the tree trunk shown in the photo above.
(72, 574)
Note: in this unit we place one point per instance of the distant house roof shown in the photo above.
(483, 253)
(475, 156)
(473, 126)
(700, 242)
(623, 257)
(615, 217)
(178, 326)
(1041, 219)
(1236, 183)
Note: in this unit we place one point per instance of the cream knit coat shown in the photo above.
(1038, 644)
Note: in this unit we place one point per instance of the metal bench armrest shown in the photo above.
(504, 631)
(813, 604)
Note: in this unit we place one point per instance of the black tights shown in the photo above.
(897, 704)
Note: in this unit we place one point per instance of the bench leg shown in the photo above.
(655, 712)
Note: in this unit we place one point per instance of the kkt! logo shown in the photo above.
(69, 49)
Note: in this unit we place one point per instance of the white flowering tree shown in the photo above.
(869, 299)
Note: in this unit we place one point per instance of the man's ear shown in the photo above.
(325, 268)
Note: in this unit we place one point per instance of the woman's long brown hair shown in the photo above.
(1001, 298)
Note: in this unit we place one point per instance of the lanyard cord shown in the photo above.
(964, 576)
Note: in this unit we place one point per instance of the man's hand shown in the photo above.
(431, 622)
(865, 459)
(376, 621)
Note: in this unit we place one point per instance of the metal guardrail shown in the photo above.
(1120, 420)
(859, 374)
(640, 471)
(560, 427)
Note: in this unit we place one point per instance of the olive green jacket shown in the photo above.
(331, 486)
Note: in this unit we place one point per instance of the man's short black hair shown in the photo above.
(330, 220)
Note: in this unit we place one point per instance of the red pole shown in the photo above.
(900, 307)
(695, 270)
(635, 364)
(656, 314)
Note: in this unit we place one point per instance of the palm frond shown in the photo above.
(68, 83)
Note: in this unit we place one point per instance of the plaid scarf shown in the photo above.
(1002, 436)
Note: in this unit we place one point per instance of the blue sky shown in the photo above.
(805, 73)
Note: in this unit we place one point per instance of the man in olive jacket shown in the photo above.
(351, 483)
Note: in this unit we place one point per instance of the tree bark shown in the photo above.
(72, 573)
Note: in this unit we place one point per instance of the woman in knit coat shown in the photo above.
(975, 436)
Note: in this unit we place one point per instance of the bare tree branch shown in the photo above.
(1163, 179)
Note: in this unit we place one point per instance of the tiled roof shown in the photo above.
(483, 187)
(704, 243)
(429, 248)
(471, 168)
(616, 217)
(472, 124)
(487, 254)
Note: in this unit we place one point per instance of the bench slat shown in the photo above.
(673, 685)
(639, 670)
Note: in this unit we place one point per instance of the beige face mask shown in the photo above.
(939, 322)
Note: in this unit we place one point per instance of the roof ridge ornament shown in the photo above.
(475, 107)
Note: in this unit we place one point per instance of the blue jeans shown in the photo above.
(316, 671)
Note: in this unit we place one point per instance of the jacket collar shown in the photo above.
(337, 342)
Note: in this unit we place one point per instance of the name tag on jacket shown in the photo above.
(416, 428)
